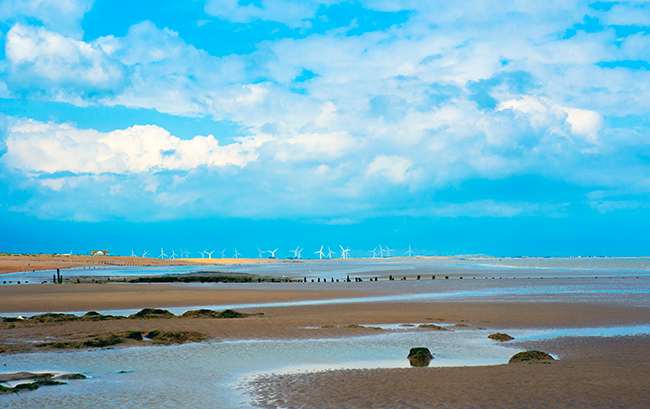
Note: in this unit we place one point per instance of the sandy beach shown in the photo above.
(28, 262)
(591, 372)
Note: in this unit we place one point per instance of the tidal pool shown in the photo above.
(215, 374)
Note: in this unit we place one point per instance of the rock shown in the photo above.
(501, 337)
(180, 337)
(530, 356)
(71, 376)
(148, 313)
(432, 326)
(420, 356)
(22, 376)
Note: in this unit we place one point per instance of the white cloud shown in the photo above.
(393, 168)
(38, 147)
(291, 13)
(48, 62)
(541, 113)
(62, 16)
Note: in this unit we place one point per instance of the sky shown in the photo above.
(476, 127)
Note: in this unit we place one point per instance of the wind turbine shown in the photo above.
(210, 254)
(132, 253)
(223, 253)
(272, 253)
(374, 252)
(144, 254)
(162, 254)
(381, 251)
(185, 253)
(388, 251)
(237, 254)
(410, 252)
(344, 252)
(330, 252)
(295, 252)
(299, 253)
(261, 251)
(173, 256)
(320, 253)
(202, 253)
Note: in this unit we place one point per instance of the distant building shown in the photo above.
(99, 253)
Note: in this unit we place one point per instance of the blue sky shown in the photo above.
(478, 127)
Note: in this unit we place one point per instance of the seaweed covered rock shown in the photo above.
(432, 327)
(204, 313)
(148, 313)
(530, 356)
(500, 337)
(54, 317)
(71, 376)
(180, 337)
(420, 356)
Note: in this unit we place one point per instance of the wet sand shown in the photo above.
(592, 372)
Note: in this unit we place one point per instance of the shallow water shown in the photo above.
(215, 374)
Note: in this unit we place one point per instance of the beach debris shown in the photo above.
(420, 356)
(38, 380)
(500, 337)
(530, 356)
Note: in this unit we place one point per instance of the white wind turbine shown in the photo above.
(388, 251)
(320, 253)
(144, 254)
(185, 253)
(202, 253)
(296, 255)
(223, 253)
(132, 253)
(162, 254)
(210, 254)
(410, 252)
(272, 253)
(300, 254)
(236, 254)
(344, 252)
(330, 253)
(173, 256)
(374, 252)
(261, 251)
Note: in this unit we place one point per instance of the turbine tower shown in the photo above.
(388, 251)
(173, 256)
(374, 252)
(296, 255)
(261, 251)
(132, 253)
(381, 251)
(272, 253)
(144, 254)
(300, 254)
(320, 253)
(344, 252)
(236, 254)
(162, 254)
(330, 252)
(210, 254)
(223, 253)
(410, 252)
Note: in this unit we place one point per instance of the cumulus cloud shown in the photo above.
(393, 168)
(39, 147)
(61, 16)
(42, 61)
